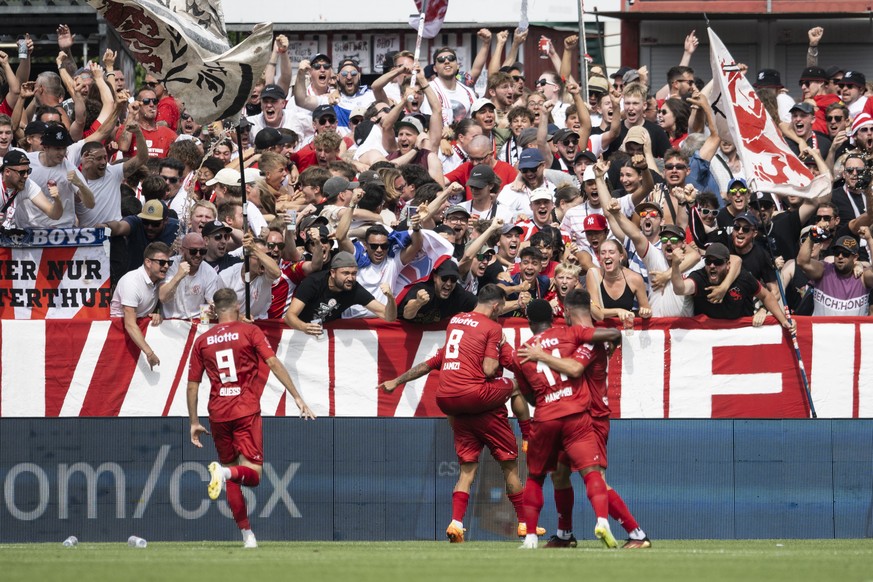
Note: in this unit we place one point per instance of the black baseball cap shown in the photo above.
(15, 158)
(269, 137)
(273, 92)
(56, 135)
(35, 128)
(214, 227)
(323, 110)
(481, 176)
(854, 78)
(846, 242)
(448, 268)
(718, 251)
(814, 74)
(320, 57)
(587, 155)
(768, 78)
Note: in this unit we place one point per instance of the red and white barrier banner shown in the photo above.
(668, 368)
(54, 274)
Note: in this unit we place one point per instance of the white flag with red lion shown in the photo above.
(768, 164)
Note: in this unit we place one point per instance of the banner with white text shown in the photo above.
(668, 368)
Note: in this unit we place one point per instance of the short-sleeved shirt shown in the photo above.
(27, 215)
(458, 301)
(470, 338)
(556, 394)
(137, 241)
(738, 302)
(158, 141)
(320, 302)
(230, 354)
(135, 290)
(192, 292)
(107, 198)
(260, 290)
(461, 174)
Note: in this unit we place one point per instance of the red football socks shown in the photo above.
(619, 511)
(237, 504)
(244, 476)
(595, 486)
(564, 500)
(459, 505)
(517, 500)
(533, 502)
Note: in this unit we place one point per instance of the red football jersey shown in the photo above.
(231, 354)
(556, 394)
(470, 338)
(283, 288)
(595, 359)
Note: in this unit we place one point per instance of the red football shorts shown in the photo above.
(473, 432)
(487, 396)
(241, 436)
(571, 438)
(600, 427)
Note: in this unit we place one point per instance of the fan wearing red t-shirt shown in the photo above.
(231, 354)
(589, 363)
(474, 398)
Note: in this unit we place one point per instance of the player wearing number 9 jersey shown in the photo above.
(231, 354)
(474, 398)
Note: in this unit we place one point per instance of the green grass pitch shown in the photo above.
(676, 561)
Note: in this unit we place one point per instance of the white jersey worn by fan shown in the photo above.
(260, 294)
(371, 278)
(192, 292)
(456, 103)
(27, 215)
(107, 198)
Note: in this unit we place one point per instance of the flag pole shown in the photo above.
(418, 40)
(242, 181)
(583, 57)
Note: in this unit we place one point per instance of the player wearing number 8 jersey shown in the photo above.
(474, 398)
(230, 354)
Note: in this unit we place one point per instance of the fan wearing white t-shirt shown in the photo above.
(263, 270)
(455, 97)
(105, 180)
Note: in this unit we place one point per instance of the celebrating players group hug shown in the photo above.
(561, 370)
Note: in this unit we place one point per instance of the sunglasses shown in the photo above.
(529, 170)
(170, 179)
(385, 110)
(149, 101)
(762, 205)
(844, 85)
(743, 229)
(484, 257)
(356, 120)
(617, 86)
(327, 120)
(649, 213)
(23, 173)
(152, 223)
(151, 84)
(835, 117)
(379, 246)
(570, 141)
(185, 117)
(854, 170)
(481, 160)
(805, 83)
(321, 67)
(450, 279)
(543, 83)
(221, 237)
(708, 211)
(446, 59)
(161, 262)
(518, 78)
(670, 239)
(664, 111)
(738, 191)
(276, 245)
(348, 74)
(675, 167)
(843, 253)
(195, 252)
(825, 217)
(717, 262)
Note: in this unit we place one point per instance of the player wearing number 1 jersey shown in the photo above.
(474, 398)
(230, 354)
(589, 362)
(561, 422)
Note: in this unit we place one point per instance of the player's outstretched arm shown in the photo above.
(285, 378)
(417, 371)
(196, 428)
(567, 366)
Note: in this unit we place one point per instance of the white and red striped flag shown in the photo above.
(768, 164)
(434, 16)
(184, 44)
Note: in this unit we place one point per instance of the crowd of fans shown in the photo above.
(628, 190)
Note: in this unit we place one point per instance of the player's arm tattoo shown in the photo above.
(414, 372)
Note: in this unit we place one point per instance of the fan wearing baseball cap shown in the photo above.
(325, 295)
(274, 114)
(16, 190)
(738, 302)
(836, 289)
(50, 167)
(480, 150)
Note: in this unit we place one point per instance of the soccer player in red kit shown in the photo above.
(231, 353)
(474, 398)
(590, 363)
(561, 421)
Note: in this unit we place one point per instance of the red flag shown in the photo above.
(433, 17)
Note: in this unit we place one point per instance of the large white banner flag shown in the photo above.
(768, 164)
(184, 44)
